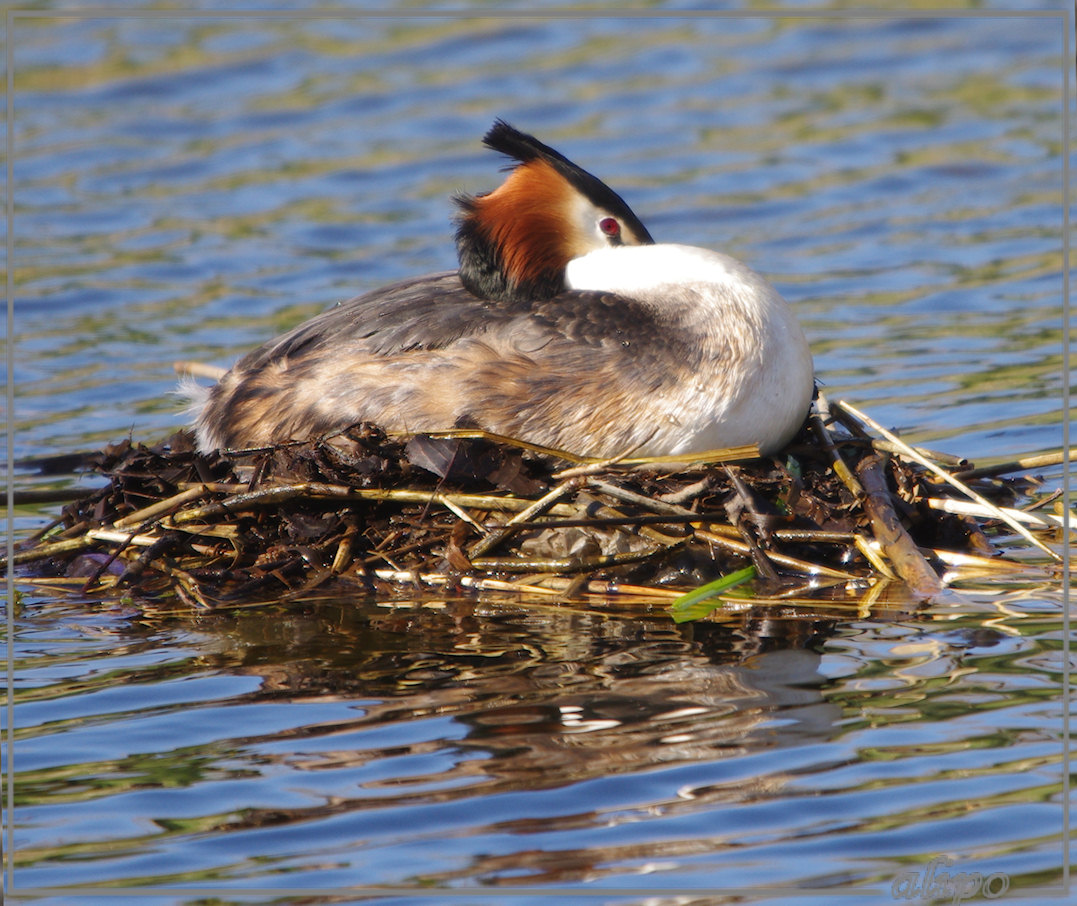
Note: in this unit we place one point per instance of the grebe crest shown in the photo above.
(515, 242)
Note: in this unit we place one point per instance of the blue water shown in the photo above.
(187, 188)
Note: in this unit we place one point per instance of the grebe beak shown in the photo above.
(515, 242)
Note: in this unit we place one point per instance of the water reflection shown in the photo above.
(512, 745)
(535, 701)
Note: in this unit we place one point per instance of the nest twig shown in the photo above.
(468, 512)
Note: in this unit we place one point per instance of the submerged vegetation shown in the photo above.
(847, 508)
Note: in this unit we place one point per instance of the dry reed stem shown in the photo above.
(608, 511)
(840, 467)
(162, 507)
(801, 566)
(729, 454)
(320, 491)
(343, 556)
(601, 465)
(946, 459)
(463, 515)
(707, 457)
(970, 508)
(47, 551)
(949, 479)
(505, 440)
(607, 587)
(960, 560)
(867, 548)
(540, 506)
(1023, 464)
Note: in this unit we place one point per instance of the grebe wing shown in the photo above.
(412, 314)
(435, 311)
(595, 318)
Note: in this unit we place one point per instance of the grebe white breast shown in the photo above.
(565, 326)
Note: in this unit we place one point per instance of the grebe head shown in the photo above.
(516, 241)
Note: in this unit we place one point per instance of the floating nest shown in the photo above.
(845, 508)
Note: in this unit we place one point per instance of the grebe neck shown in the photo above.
(631, 271)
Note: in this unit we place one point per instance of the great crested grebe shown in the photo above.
(565, 326)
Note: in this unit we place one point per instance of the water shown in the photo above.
(186, 188)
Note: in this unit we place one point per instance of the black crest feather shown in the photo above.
(524, 148)
(481, 264)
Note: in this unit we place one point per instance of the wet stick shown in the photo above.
(898, 545)
(949, 479)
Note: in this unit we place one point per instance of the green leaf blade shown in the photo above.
(697, 604)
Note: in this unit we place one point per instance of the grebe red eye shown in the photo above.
(610, 227)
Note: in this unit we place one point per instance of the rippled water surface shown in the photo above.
(185, 188)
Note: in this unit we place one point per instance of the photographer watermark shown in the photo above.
(936, 883)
